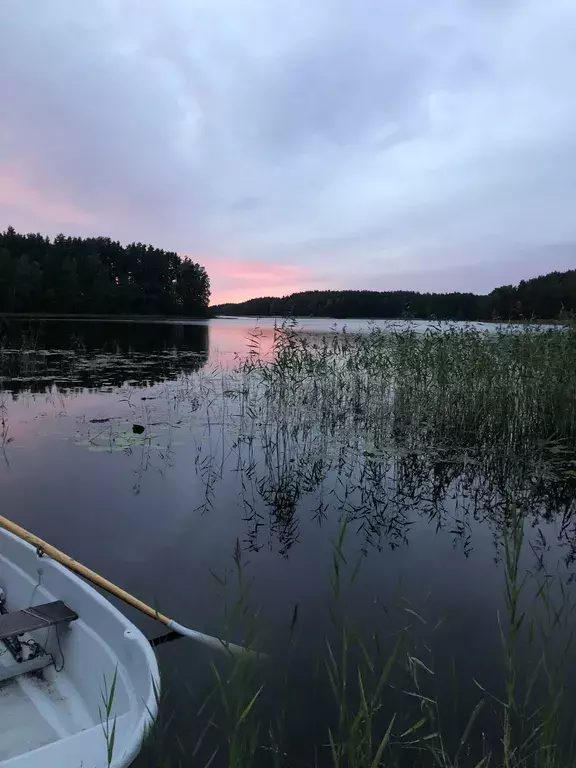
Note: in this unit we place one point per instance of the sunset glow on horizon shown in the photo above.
(236, 281)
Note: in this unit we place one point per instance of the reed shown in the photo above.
(386, 709)
(390, 419)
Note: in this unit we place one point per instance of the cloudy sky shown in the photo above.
(293, 144)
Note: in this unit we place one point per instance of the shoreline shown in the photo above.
(184, 318)
(117, 318)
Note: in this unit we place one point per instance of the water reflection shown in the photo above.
(37, 356)
(222, 459)
(286, 478)
(284, 472)
(381, 469)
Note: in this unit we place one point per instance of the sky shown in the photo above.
(298, 144)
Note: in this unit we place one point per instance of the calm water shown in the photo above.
(158, 516)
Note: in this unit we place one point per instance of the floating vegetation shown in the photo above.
(110, 441)
(34, 357)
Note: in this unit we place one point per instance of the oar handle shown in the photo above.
(113, 589)
(82, 570)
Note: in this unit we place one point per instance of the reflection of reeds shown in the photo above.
(374, 432)
(4, 429)
(457, 426)
(448, 424)
(379, 691)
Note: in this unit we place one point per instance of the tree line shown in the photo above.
(97, 275)
(548, 297)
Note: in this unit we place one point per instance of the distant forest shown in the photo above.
(96, 275)
(548, 297)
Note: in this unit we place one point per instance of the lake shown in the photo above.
(217, 480)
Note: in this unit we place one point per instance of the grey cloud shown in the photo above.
(86, 118)
(335, 93)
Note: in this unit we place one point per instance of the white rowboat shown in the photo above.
(53, 701)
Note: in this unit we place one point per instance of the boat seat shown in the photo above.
(38, 617)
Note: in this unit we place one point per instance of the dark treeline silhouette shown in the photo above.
(548, 297)
(96, 275)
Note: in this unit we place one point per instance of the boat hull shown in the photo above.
(58, 716)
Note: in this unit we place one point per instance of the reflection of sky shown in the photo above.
(226, 339)
(35, 418)
(134, 516)
(106, 507)
(232, 337)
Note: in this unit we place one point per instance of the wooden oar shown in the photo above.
(113, 589)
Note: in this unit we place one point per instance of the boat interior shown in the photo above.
(56, 672)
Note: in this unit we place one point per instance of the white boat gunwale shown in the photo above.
(101, 636)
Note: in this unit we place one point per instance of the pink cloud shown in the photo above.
(235, 280)
(21, 202)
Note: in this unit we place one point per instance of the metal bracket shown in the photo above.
(14, 669)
